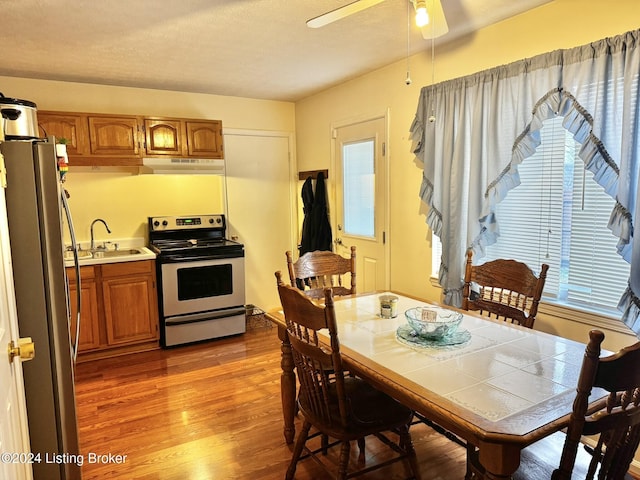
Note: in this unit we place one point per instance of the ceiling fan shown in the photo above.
(429, 16)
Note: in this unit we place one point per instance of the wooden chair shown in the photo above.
(344, 408)
(315, 271)
(615, 422)
(507, 289)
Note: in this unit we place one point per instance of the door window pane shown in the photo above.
(359, 188)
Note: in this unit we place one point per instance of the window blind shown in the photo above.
(559, 215)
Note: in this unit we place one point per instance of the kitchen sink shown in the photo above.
(116, 253)
(68, 254)
(99, 256)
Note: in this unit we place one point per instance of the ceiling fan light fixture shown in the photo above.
(422, 17)
(437, 21)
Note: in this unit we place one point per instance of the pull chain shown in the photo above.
(408, 79)
(432, 118)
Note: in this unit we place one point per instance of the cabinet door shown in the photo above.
(130, 309)
(204, 139)
(70, 126)
(164, 136)
(89, 316)
(114, 136)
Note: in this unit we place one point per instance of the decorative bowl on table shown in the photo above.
(433, 323)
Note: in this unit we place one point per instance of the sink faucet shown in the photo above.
(93, 246)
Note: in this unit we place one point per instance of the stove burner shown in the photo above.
(175, 238)
(165, 244)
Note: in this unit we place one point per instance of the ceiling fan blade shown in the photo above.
(341, 12)
(437, 25)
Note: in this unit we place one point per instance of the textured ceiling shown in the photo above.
(246, 48)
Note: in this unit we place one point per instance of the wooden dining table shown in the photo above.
(498, 386)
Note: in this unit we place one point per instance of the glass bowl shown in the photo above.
(432, 322)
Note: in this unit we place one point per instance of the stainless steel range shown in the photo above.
(200, 276)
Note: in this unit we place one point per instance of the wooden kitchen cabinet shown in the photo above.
(89, 317)
(119, 311)
(183, 138)
(130, 305)
(72, 127)
(101, 140)
(114, 136)
(165, 136)
(204, 139)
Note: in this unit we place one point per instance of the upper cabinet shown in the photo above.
(164, 136)
(183, 138)
(123, 140)
(114, 136)
(204, 139)
(69, 126)
(95, 140)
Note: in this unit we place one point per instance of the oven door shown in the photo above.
(202, 285)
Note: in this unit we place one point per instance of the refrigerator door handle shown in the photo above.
(76, 264)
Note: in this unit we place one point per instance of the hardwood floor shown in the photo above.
(211, 411)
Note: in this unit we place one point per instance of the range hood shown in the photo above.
(176, 166)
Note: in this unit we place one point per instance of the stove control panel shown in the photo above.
(186, 222)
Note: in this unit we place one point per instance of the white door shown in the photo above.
(261, 207)
(361, 200)
(14, 436)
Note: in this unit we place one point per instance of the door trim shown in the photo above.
(332, 180)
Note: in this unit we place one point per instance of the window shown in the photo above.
(359, 188)
(558, 215)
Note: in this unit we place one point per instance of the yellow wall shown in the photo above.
(559, 24)
(123, 199)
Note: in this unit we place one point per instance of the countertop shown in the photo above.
(123, 244)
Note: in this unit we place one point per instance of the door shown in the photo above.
(114, 136)
(198, 286)
(164, 136)
(261, 206)
(361, 200)
(72, 127)
(204, 139)
(14, 437)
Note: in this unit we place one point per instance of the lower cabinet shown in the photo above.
(89, 318)
(119, 310)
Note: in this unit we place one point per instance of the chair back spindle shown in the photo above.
(315, 271)
(503, 289)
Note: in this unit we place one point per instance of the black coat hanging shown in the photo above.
(321, 228)
(307, 206)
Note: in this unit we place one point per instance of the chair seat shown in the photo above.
(370, 409)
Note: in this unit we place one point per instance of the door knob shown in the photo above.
(25, 349)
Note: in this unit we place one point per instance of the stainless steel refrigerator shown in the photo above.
(35, 209)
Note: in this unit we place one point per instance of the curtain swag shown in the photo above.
(463, 131)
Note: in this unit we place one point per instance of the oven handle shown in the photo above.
(177, 258)
(201, 317)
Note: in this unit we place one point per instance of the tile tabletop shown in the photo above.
(502, 370)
